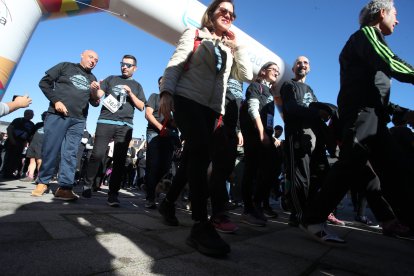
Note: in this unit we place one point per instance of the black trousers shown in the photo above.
(159, 159)
(223, 162)
(104, 133)
(13, 157)
(258, 168)
(300, 147)
(196, 123)
(367, 142)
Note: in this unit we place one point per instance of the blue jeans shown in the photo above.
(62, 134)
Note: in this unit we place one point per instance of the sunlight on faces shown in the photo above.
(89, 59)
(223, 17)
(301, 66)
(128, 67)
(389, 21)
(272, 73)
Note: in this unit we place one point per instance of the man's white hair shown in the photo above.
(370, 12)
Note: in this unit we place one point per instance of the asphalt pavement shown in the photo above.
(43, 236)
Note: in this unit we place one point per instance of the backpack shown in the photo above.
(197, 42)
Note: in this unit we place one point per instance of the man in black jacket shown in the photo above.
(70, 88)
(367, 65)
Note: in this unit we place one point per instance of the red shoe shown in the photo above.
(333, 220)
(223, 224)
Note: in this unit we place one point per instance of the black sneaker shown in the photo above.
(205, 239)
(87, 192)
(258, 212)
(293, 220)
(167, 211)
(284, 204)
(269, 212)
(365, 221)
(113, 200)
(150, 204)
(96, 189)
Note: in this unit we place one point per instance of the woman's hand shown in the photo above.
(166, 105)
(229, 39)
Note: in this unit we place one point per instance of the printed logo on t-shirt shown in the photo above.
(269, 99)
(307, 99)
(40, 130)
(80, 82)
(117, 89)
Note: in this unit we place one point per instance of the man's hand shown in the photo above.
(277, 142)
(95, 86)
(127, 90)
(61, 108)
(22, 101)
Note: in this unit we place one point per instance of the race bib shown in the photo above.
(111, 104)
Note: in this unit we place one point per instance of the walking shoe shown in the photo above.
(150, 204)
(205, 239)
(65, 194)
(258, 212)
(40, 190)
(96, 188)
(269, 212)
(333, 220)
(284, 204)
(223, 224)
(230, 205)
(252, 219)
(167, 211)
(87, 192)
(321, 233)
(293, 220)
(365, 221)
(27, 179)
(393, 228)
(113, 200)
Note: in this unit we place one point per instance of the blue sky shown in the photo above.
(315, 28)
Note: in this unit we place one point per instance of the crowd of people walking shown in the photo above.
(200, 124)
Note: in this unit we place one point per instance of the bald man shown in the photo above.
(70, 88)
(303, 141)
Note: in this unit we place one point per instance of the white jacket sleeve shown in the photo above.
(242, 68)
(4, 109)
